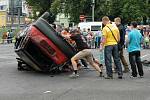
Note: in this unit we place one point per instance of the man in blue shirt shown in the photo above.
(134, 47)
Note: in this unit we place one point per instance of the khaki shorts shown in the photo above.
(84, 54)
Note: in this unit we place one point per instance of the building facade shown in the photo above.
(3, 12)
(63, 20)
(13, 13)
(3, 20)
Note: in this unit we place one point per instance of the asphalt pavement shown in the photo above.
(29, 85)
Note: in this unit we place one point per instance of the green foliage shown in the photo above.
(102, 8)
(128, 10)
(133, 10)
(41, 6)
(75, 8)
(56, 7)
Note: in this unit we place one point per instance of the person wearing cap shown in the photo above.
(84, 53)
(109, 42)
(134, 47)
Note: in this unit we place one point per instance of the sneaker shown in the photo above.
(73, 75)
(109, 77)
(133, 77)
(141, 76)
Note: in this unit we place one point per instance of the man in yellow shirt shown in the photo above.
(110, 40)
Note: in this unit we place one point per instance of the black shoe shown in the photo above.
(133, 77)
(109, 77)
(73, 75)
(119, 77)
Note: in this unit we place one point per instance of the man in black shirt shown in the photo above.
(121, 43)
(84, 52)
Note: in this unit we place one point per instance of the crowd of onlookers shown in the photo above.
(131, 38)
(94, 38)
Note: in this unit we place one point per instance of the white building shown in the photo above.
(25, 8)
(62, 20)
(13, 12)
(4, 5)
(3, 12)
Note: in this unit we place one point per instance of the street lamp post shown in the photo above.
(93, 7)
(12, 12)
(19, 16)
(19, 10)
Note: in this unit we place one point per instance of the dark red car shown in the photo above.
(41, 48)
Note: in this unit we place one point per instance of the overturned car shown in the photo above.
(41, 48)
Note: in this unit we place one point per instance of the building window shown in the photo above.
(1, 8)
(9, 19)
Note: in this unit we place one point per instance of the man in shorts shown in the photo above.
(84, 53)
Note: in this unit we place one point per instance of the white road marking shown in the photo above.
(47, 91)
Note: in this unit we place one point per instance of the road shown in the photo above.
(27, 85)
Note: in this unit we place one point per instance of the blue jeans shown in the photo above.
(109, 52)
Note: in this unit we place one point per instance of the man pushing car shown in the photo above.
(84, 53)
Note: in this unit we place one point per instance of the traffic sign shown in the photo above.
(82, 17)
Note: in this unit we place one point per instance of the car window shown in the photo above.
(95, 28)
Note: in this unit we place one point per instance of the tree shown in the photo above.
(56, 7)
(41, 6)
(128, 10)
(102, 8)
(75, 8)
(145, 7)
(133, 10)
(116, 8)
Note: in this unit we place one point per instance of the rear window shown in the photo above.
(95, 28)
